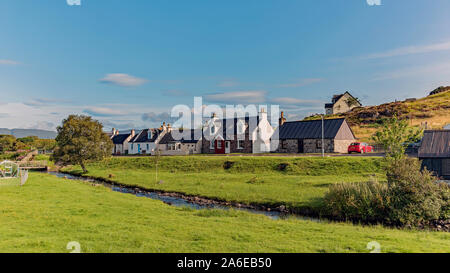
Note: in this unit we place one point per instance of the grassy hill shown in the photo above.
(434, 110)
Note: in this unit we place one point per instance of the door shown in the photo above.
(227, 147)
(300, 146)
(220, 146)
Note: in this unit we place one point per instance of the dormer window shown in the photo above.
(213, 129)
(149, 134)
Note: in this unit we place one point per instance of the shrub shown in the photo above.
(411, 197)
(364, 202)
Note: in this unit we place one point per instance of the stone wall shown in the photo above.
(288, 146)
(315, 145)
(341, 146)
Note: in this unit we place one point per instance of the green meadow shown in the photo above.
(298, 183)
(47, 213)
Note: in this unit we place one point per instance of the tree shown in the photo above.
(81, 139)
(352, 101)
(7, 143)
(395, 136)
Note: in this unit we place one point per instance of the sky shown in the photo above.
(128, 62)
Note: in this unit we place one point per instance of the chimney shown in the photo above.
(282, 119)
(262, 114)
(169, 127)
(133, 133)
(213, 115)
(113, 131)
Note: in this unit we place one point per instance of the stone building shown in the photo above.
(306, 136)
(341, 103)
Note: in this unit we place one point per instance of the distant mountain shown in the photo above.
(43, 134)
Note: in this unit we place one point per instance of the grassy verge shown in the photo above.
(298, 183)
(47, 213)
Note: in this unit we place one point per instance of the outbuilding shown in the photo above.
(435, 152)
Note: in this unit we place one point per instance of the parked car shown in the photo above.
(360, 147)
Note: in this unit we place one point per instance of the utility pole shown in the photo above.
(323, 133)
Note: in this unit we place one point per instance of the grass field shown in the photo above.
(250, 180)
(48, 212)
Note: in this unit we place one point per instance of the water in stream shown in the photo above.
(173, 201)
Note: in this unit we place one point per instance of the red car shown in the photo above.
(360, 147)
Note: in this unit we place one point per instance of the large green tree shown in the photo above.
(395, 136)
(81, 139)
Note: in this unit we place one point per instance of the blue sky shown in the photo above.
(128, 62)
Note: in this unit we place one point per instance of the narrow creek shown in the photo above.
(177, 201)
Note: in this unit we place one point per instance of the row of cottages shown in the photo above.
(239, 135)
(434, 152)
(134, 143)
(306, 136)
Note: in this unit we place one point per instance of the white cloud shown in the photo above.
(104, 111)
(8, 62)
(424, 71)
(301, 82)
(410, 50)
(123, 80)
(240, 97)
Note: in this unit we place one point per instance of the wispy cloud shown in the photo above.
(8, 62)
(301, 82)
(241, 97)
(41, 102)
(294, 101)
(410, 50)
(124, 80)
(423, 71)
(155, 117)
(173, 93)
(104, 111)
(228, 83)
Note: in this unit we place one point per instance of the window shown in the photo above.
(284, 144)
(178, 147)
(171, 146)
(240, 144)
(132, 147)
(319, 144)
(219, 144)
(211, 145)
(241, 127)
(148, 147)
(213, 130)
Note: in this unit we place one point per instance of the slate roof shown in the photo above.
(120, 138)
(143, 136)
(311, 129)
(168, 138)
(231, 125)
(435, 144)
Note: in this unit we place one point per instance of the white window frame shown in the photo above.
(211, 145)
(239, 146)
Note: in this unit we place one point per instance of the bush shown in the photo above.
(364, 202)
(411, 197)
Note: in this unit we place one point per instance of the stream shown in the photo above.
(176, 201)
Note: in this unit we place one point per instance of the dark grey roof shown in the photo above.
(435, 144)
(311, 129)
(168, 138)
(120, 138)
(143, 136)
